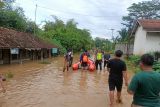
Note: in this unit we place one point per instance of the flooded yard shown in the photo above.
(45, 85)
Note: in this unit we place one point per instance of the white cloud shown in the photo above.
(96, 15)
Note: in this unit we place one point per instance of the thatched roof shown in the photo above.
(14, 39)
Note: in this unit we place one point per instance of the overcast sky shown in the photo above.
(99, 16)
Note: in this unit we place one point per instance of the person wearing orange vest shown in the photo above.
(84, 61)
(99, 56)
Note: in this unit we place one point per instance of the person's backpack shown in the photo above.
(85, 58)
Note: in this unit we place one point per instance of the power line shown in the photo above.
(80, 14)
(75, 13)
(72, 13)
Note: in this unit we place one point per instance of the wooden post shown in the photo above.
(20, 56)
(49, 53)
(10, 57)
(41, 54)
(34, 52)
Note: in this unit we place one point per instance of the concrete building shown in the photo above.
(146, 36)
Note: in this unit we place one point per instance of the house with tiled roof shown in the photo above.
(146, 33)
(18, 46)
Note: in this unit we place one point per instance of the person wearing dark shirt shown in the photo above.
(145, 85)
(106, 59)
(67, 60)
(117, 70)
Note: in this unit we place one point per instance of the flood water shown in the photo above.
(45, 85)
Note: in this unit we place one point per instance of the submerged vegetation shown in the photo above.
(45, 62)
(9, 75)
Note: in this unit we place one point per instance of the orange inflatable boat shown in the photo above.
(75, 66)
(91, 65)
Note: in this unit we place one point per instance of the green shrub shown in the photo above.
(156, 66)
(135, 59)
(9, 74)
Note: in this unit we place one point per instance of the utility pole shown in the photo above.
(35, 20)
(112, 35)
(112, 31)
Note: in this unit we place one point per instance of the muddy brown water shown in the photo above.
(45, 85)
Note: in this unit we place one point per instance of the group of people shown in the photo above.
(101, 57)
(98, 58)
(144, 86)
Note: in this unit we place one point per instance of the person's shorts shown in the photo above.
(84, 64)
(113, 83)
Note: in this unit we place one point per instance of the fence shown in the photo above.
(127, 49)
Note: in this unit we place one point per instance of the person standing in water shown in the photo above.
(106, 59)
(117, 71)
(71, 59)
(84, 61)
(1, 83)
(98, 61)
(67, 60)
(145, 85)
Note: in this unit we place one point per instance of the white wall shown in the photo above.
(152, 42)
(140, 41)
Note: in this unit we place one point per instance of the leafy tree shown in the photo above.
(65, 35)
(123, 35)
(68, 35)
(103, 44)
(1, 5)
(12, 18)
(7, 4)
(31, 27)
(142, 10)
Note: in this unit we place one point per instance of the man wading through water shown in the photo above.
(117, 70)
(145, 86)
(98, 61)
(68, 58)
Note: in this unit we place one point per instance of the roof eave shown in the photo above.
(135, 26)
